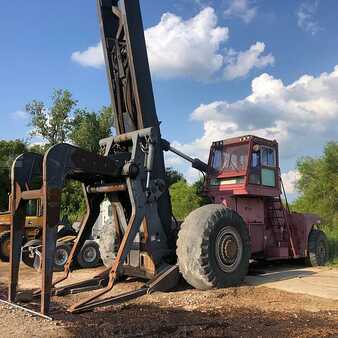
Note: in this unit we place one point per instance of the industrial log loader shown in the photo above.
(212, 247)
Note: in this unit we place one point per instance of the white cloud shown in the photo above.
(240, 64)
(241, 9)
(302, 116)
(306, 16)
(20, 115)
(189, 48)
(92, 57)
(290, 180)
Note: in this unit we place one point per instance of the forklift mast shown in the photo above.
(129, 80)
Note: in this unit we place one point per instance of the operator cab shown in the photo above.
(245, 165)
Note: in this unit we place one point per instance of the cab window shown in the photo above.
(268, 157)
(263, 166)
(255, 168)
(32, 207)
(230, 158)
(268, 164)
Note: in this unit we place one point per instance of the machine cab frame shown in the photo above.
(246, 165)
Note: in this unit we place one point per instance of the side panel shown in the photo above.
(301, 225)
(251, 209)
(252, 212)
(256, 232)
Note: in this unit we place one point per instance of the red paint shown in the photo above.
(238, 168)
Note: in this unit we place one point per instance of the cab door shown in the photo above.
(263, 166)
(268, 164)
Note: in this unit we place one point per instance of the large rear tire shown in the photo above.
(213, 248)
(318, 248)
(5, 245)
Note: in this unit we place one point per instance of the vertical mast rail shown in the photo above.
(129, 81)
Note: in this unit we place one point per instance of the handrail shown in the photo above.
(284, 194)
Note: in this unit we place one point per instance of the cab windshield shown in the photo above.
(232, 158)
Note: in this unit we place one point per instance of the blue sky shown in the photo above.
(220, 68)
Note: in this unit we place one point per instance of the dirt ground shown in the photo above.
(244, 311)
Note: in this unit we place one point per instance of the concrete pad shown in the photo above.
(319, 282)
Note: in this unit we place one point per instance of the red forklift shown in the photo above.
(244, 175)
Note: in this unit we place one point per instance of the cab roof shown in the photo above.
(245, 139)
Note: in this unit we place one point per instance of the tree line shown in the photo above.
(62, 121)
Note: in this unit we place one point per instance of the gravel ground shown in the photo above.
(245, 311)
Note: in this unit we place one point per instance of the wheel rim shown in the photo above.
(90, 254)
(229, 249)
(61, 257)
(321, 251)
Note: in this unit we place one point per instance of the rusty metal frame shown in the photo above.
(99, 175)
(133, 165)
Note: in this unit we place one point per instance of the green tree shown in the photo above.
(63, 122)
(199, 186)
(39, 148)
(9, 150)
(53, 124)
(172, 176)
(72, 202)
(184, 199)
(318, 185)
(88, 128)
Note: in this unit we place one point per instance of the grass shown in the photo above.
(332, 236)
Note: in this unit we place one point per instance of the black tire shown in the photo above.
(318, 248)
(5, 241)
(89, 255)
(205, 236)
(26, 256)
(61, 256)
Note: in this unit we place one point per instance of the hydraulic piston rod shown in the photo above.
(195, 162)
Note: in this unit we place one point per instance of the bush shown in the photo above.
(185, 198)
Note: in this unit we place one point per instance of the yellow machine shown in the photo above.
(89, 255)
(33, 227)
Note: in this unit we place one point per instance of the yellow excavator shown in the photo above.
(33, 226)
(89, 255)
